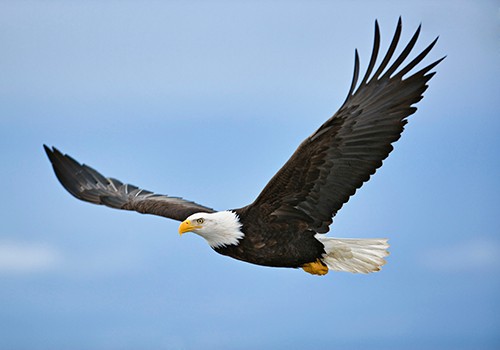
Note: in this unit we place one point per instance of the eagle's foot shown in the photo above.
(315, 268)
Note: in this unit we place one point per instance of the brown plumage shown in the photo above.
(280, 227)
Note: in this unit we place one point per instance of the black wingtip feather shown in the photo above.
(373, 58)
(355, 75)
(404, 54)
(426, 69)
(416, 60)
(50, 152)
(390, 51)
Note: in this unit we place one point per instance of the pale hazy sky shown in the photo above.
(206, 100)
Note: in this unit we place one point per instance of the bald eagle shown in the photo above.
(285, 225)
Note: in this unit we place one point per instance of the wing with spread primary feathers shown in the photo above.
(86, 184)
(331, 164)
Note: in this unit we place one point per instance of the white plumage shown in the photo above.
(354, 255)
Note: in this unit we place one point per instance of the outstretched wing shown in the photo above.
(331, 164)
(86, 184)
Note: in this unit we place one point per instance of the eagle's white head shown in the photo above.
(219, 229)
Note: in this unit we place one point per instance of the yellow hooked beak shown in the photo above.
(187, 226)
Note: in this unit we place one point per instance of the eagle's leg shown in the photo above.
(315, 268)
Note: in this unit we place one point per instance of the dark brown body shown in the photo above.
(267, 242)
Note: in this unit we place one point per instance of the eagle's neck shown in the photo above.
(224, 229)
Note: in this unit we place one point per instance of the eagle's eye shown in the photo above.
(200, 221)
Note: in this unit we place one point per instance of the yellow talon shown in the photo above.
(315, 268)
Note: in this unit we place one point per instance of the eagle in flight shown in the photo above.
(286, 225)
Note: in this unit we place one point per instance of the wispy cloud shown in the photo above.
(27, 257)
(473, 254)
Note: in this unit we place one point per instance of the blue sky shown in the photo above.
(207, 100)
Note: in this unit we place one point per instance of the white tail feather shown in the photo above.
(362, 255)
